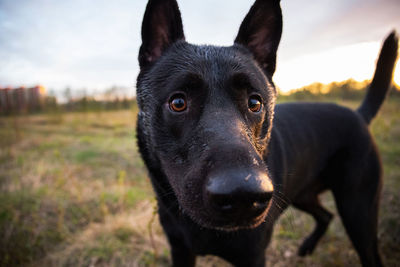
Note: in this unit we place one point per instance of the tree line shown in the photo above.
(33, 100)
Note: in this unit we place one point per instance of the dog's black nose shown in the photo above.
(240, 194)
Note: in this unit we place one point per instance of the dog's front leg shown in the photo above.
(181, 253)
(182, 256)
(248, 248)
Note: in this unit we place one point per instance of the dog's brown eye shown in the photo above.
(178, 103)
(255, 104)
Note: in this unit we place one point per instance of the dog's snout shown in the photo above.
(240, 194)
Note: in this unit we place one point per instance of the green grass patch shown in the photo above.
(86, 155)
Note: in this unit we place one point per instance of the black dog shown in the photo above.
(225, 161)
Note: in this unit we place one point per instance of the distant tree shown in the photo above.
(68, 98)
(125, 102)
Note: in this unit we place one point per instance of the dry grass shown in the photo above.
(74, 192)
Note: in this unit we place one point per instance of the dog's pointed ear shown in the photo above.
(161, 27)
(261, 32)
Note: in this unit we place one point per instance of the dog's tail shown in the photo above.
(381, 82)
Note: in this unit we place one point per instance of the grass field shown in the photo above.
(74, 192)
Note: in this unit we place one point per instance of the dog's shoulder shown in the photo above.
(315, 111)
(319, 121)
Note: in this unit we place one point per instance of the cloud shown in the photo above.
(76, 43)
(337, 23)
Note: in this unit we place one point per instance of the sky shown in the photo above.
(93, 44)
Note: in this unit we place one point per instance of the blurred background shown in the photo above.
(73, 189)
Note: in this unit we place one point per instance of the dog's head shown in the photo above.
(206, 113)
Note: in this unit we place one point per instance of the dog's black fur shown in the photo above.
(225, 161)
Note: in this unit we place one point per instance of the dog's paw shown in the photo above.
(307, 247)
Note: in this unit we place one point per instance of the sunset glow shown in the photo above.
(396, 76)
(355, 61)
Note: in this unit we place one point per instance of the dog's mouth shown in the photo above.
(234, 219)
(241, 219)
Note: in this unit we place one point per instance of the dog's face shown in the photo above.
(206, 113)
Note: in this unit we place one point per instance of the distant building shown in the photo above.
(21, 99)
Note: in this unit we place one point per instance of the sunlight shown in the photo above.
(355, 61)
(396, 75)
